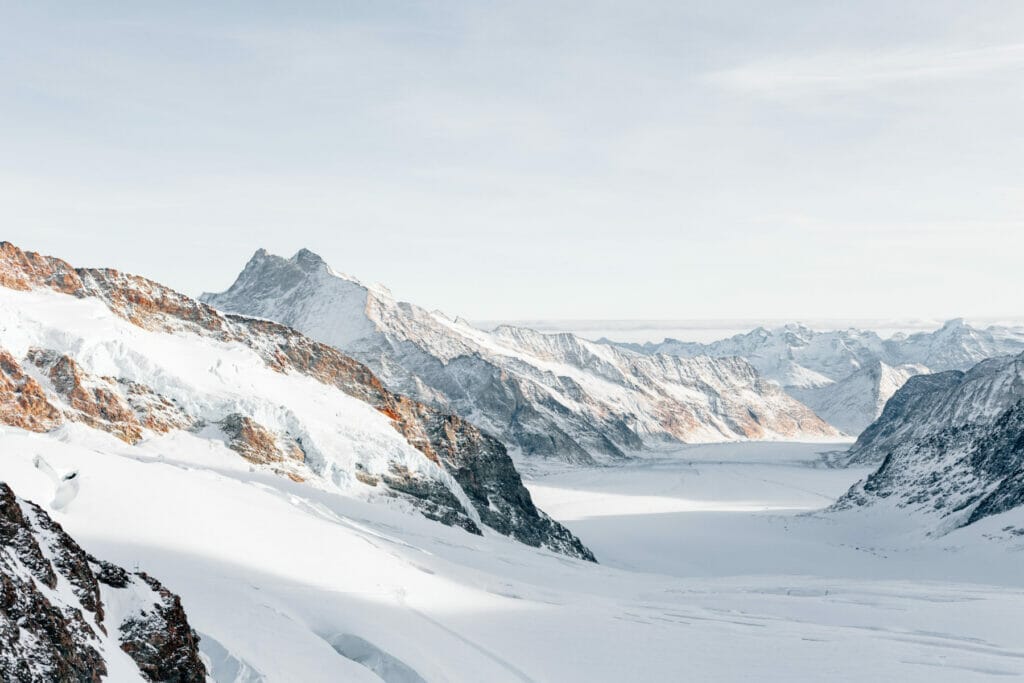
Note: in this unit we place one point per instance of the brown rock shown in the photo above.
(23, 402)
(91, 401)
(257, 444)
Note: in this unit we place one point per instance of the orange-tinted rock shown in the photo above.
(23, 402)
(25, 270)
(154, 412)
(256, 443)
(94, 402)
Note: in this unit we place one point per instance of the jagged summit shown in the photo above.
(549, 395)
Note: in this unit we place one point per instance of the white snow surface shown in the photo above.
(711, 570)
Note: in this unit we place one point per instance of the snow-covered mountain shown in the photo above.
(847, 375)
(68, 616)
(553, 395)
(855, 401)
(951, 445)
(927, 404)
(129, 357)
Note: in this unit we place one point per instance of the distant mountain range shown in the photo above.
(546, 395)
(846, 376)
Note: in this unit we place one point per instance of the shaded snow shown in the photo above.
(729, 580)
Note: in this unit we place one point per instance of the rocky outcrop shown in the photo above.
(260, 446)
(23, 402)
(482, 467)
(52, 633)
(93, 401)
(130, 407)
(256, 443)
(950, 446)
(115, 405)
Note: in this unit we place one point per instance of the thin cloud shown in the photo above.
(864, 70)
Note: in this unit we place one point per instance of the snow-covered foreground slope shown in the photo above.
(554, 395)
(287, 582)
(846, 376)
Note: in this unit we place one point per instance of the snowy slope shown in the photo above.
(286, 582)
(551, 395)
(126, 356)
(846, 375)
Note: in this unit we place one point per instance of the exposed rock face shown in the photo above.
(482, 467)
(256, 443)
(553, 396)
(92, 401)
(929, 403)
(48, 633)
(951, 445)
(23, 402)
(154, 412)
(846, 375)
(160, 639)
(126, 407)
(119, 406)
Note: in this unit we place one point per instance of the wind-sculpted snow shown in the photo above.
(552, 395)
(68, 616)
(846, 376)
(135, 359)
(951, 446)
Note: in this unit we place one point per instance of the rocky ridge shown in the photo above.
(950, 445)
(55, 619)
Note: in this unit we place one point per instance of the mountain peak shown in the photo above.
(308, 259)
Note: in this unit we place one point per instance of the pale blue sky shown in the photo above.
(534, 160)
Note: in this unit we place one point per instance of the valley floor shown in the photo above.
(710, 570)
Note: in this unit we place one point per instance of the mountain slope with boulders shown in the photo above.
(846, 376)
(68, 616)
(127, 356)
(949, 446)
(547, 395)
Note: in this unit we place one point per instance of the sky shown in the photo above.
(534, 160)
